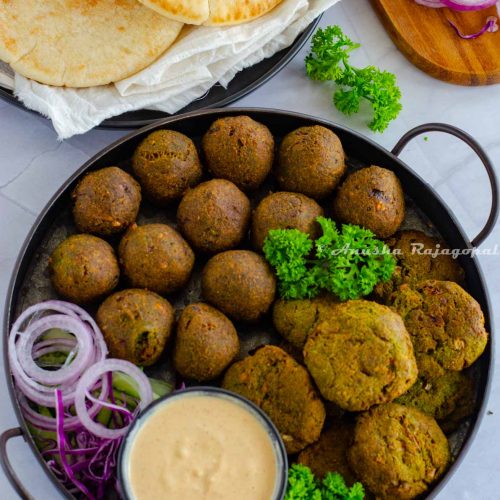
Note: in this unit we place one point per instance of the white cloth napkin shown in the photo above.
(201, 57)
(6, 76)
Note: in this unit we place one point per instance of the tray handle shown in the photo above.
(7, 466)
(474, 145)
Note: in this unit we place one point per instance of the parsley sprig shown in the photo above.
(348, 263)
(329, 60)
(302, 485)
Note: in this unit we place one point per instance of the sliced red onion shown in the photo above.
(82, 360)
(460, 5)
(111, 406)
(53, 345)
(70, 423)
(434, 4)
(97, 372)
(36, 383)
(491, 26)
(466, 5)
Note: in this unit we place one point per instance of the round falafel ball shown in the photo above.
(413, 265)
(206, 343)
(106, 201)
(311, 161)
(136, 325)
(361, 355)
(398, 451)
(240, 150)
(214, 216)
(166, 164)
(372, 198)
(240, 283)
(283, 389)
(285, 211)
(294, 319)
(445, 323)
(156, 257)
(83, 268)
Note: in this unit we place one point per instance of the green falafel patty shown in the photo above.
(329, 453)
(282, 388)
(444, 321)
(294, 319)
(398, 451)
(361, 356)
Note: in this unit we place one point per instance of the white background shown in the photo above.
(33, 165)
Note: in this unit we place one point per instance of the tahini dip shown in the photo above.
(202, 445)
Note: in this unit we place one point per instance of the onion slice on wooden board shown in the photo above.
(461, 5)
(464, 5)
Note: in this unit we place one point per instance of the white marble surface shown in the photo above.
(33, 165)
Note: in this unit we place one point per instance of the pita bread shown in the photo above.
(229, 12)
(212, 12)
(82, 43)
(185, 11)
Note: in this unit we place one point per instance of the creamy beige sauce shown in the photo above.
(200, 447)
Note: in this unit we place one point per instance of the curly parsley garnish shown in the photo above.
(329, 60)
(302, 485)
(348, 263)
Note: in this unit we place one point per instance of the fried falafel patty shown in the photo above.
(294, 319)
(106, 201)
(214, 216)
(449, 398)
(156, 257)
(166, 164)
(329, 453)
(240, 150)
(311, 161)
(398, 451)
(136, 325)
(444, 322)
(283, 389)
(372, 198)
(240, 283)
(361, 356)
(416, 263)
(285, 211)
(206, 343)
(83, 268)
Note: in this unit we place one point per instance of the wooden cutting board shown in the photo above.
(424, 36)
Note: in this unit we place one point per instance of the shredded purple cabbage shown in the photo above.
(89, 466)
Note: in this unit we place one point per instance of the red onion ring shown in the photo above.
(460, 5)
(97, 372)
(491, 26)
(36, 383)
(434, 4)
(50, 423)
(53, 345)
(468, 5)
(83, 359)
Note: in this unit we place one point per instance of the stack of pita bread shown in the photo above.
(212, 12)
(82, 43)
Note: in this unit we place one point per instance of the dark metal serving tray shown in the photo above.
(426, 211)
